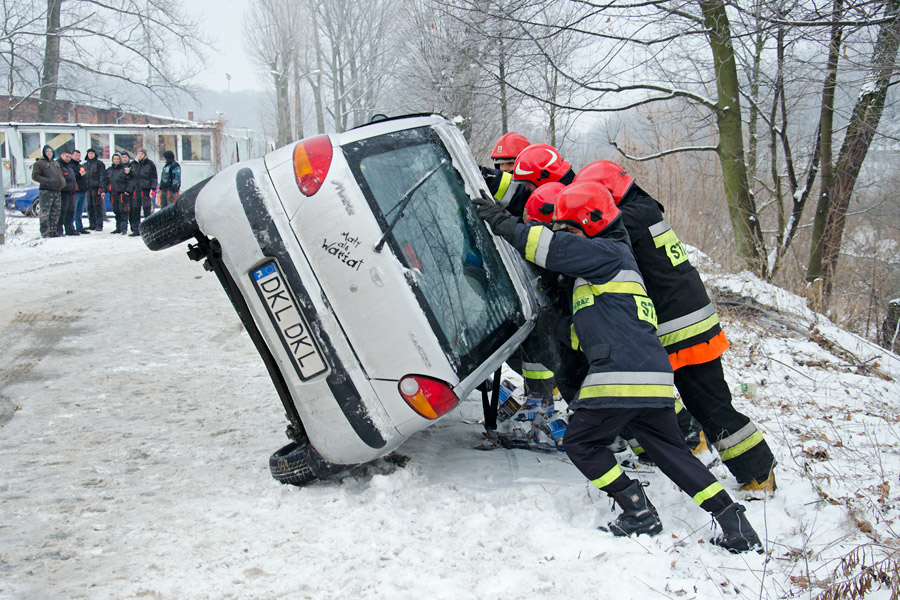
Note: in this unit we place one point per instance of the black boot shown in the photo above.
(737, 533)
(638, 516)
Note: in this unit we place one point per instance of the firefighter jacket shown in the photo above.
(95, 173)
(512, 195)
(48, 174)
(688, 325)
(170, 179)
(145, 177)
(80, 181)
(611, 315)
(119, 179)
(68, 171)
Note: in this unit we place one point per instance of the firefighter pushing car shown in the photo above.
(689, 329)
(629, 380)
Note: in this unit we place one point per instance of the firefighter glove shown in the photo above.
(502, 223)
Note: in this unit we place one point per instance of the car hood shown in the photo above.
(20, 188)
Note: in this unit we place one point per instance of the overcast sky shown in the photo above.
(221, 19)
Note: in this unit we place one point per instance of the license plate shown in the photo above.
(292, 327)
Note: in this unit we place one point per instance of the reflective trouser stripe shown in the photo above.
(688, 332)
(608, 477)
(627, 391)
(738, 449)
(641, 384)
(678, 406)
(536, 371)
(538, 245)
(629, 377)
(707, 493)
(738, 442)
(505, 180)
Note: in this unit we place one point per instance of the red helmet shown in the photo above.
(509, 146)
(609, 174)
(541, 203)
(540, 164)
(586, 205)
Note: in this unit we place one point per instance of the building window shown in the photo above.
(167, 142)
(100, 144)
(31, 145)
(196, 147)
(59, 141)
(129, 142)
(2, 144)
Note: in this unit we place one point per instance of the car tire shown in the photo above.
(298, 464)
(35, 209)
(173, 224)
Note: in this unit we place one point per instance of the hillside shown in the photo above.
(136, 421)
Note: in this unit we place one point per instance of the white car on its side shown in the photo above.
(373, 292)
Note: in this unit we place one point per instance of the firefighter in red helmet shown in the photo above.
(629, 381)
(506, 149)
(688, 328)
(542, 202)
(511, 195)
(540, 164)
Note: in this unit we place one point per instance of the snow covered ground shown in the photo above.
(136, 421)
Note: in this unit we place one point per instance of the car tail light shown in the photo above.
(430, 398)
(312, 158)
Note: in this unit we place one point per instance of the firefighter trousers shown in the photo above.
(540, 358)
(705, 394)
(95, 208)
(590, 431)
(140, 199)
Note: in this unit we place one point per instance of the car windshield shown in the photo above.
(454, 267)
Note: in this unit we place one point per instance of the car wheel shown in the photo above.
(298, 464)
(35, 209)
(173, 224)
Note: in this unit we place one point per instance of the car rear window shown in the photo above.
(454, 267)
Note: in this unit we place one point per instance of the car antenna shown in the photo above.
(404, 200)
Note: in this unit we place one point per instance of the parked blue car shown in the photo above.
(24, 199)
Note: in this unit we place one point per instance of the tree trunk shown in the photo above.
(759, 45)
(826, 128)
(504, 106)
(551, 124)
(281, 80)
(50, 66)
(890, 328)
(741, 206)
(298, 105)
(863, 124)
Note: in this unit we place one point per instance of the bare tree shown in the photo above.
(749, 67)
(864, 122)
(272, 40)
(94, 48)
(355, 48)
(22, 27)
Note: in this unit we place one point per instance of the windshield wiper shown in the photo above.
(404, 200)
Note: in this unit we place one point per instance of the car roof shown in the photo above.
(390, 125)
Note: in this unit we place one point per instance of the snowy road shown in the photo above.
(136, 421)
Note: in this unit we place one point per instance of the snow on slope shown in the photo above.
(136, 422)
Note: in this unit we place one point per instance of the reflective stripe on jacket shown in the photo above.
(511, 195)
(613, 318)
(687, 317)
